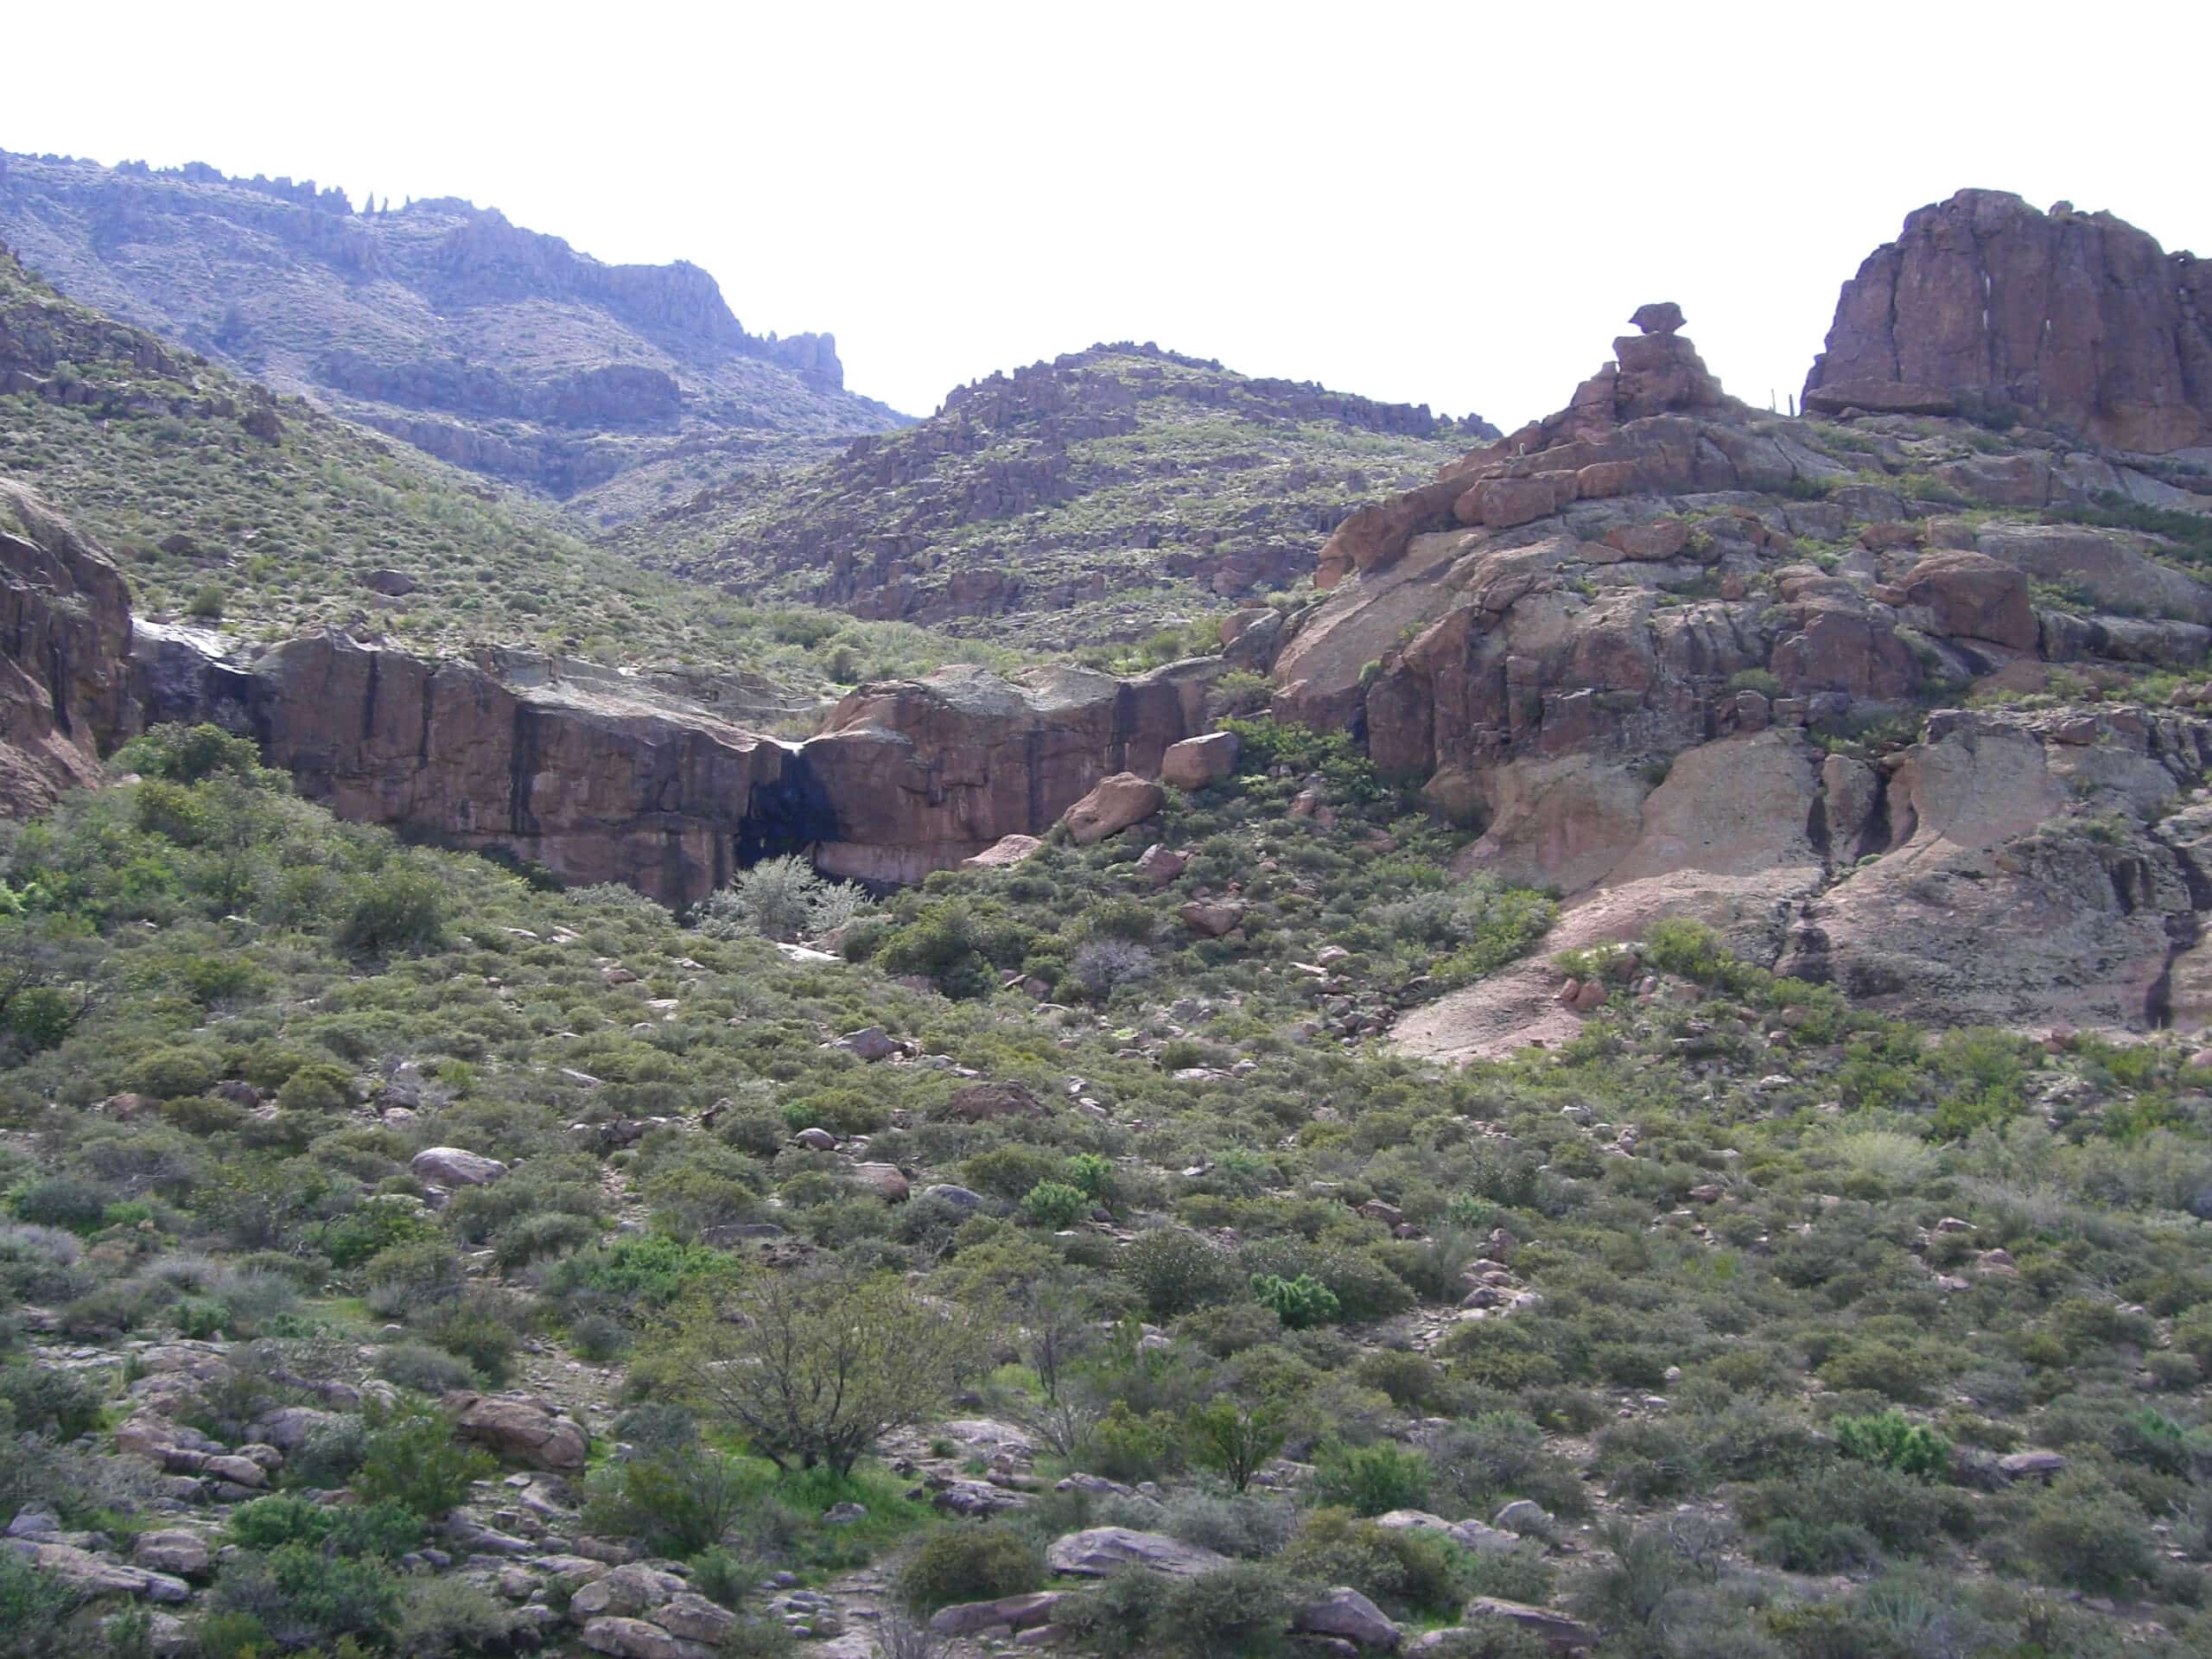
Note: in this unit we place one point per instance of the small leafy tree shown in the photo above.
(1233, 1438)
(781, 898)
(814, 1367)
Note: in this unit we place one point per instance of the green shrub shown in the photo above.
(49, 1401)
(411, 1458)
(1895, 1442)
(679, 1502)
(1173, 1270)
(1055, 1204)
(978, 1562)
(2080, 1532)
(33, 1605)
(398, 912)
(1298, 1303)
(444, 1618)
(1371, 1479)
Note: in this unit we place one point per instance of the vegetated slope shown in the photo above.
(491, 346)
(1092, 499)
(1809, 1328)
(225, 501)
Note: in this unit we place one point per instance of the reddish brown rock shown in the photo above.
(64, 619)
(1198, 762)
(979, 1103)
(1661, 539)
(1970, 596)
(1211, 920)
(2079, 317)
(1112, 806)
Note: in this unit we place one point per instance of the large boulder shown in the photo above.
(1112, 806)
(625, 1592)
(174, 1550)
(1101, 1551)
(1548, 1623)
(1350, 1616)
(1972, 596)
(1015, 1612)
(452, 1167)
(1198, 762)
(2079, 317)
(521, 1428)
(636, 1638)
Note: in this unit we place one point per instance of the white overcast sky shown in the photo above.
(1452, 204)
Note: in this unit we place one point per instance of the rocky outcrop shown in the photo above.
(920, 775)
(65, 634)
(1983, 302)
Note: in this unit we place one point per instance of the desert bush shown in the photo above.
(979, 1562)
(1371, 1479)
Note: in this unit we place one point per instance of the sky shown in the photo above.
(1457, 204)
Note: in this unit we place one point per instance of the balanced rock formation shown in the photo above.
(2079, 318)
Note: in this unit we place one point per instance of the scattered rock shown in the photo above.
(1346, 1614)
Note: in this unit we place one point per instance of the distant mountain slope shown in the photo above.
(223, 500)
(1088, 498)
(491, 346)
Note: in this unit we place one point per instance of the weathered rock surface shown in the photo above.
(454, 1166)
(1101, 1551)
(1198, 762)
(64, 619)
(1115, 803)
(1350, 1616)
(2079, 317)
(521, 1428)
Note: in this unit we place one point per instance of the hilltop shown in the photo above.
(1096, 497)
(488, 346)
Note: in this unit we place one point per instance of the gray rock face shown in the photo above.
(452, 1167)
(1350, 1616)
(1015, 1612)
(1101, 1551)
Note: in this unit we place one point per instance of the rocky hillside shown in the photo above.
(490, 346)
(1632, 1078)
(1092, 499)
(240, 512)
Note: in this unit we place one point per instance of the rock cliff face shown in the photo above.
(64, 636)
(434, 322)
(2079, 318)
(596, 775)
(1091, 498)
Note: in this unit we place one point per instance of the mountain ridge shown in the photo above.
(497, 348)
